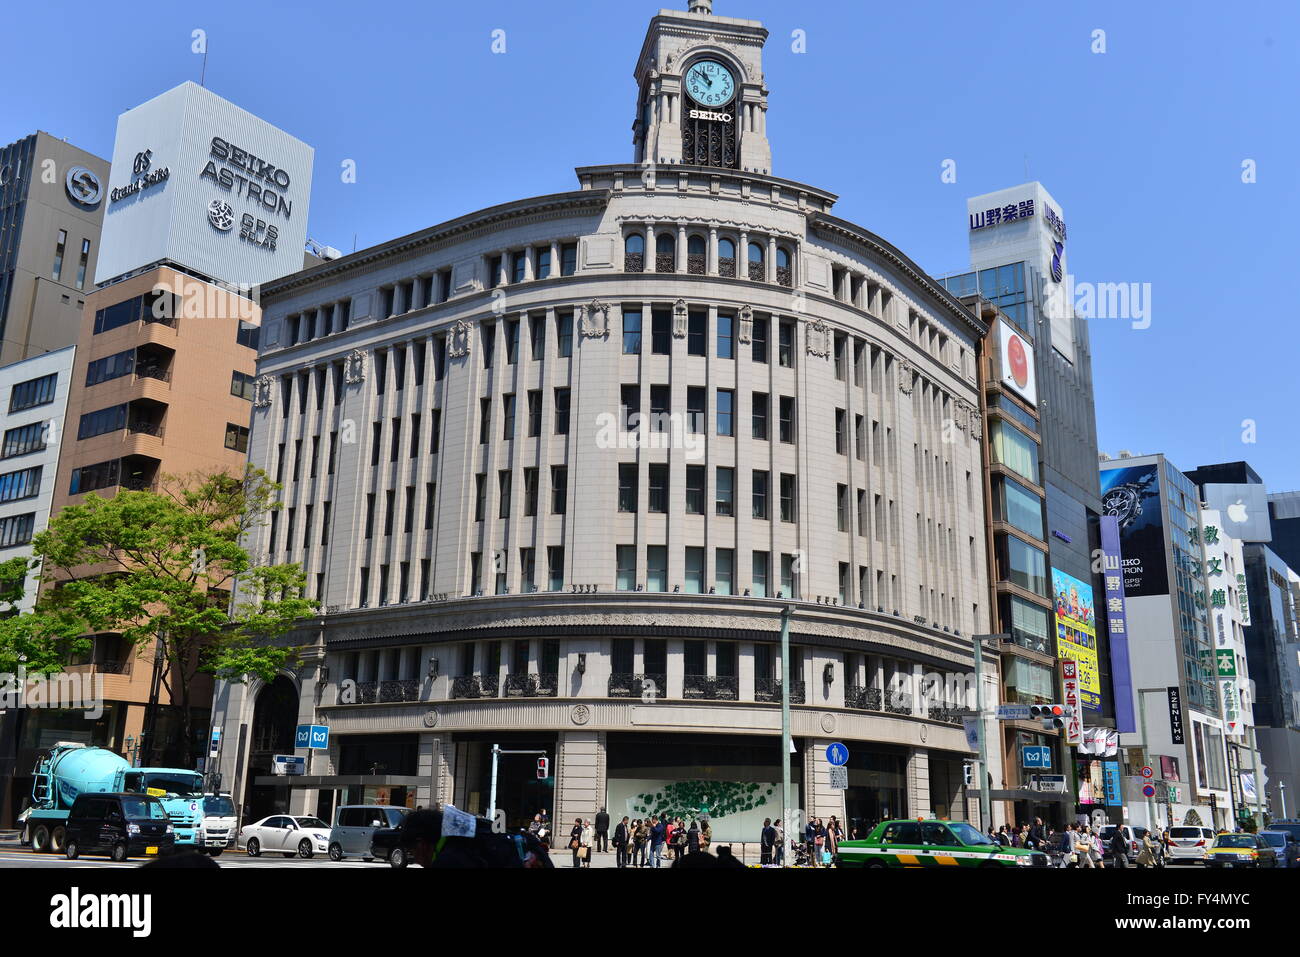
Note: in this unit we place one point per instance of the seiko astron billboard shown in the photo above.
(200, 182)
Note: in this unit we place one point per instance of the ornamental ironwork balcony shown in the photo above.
(153, 372)
(757, 272)
(719, 688)
(695, 264)
(624, 684)
(474, 686)
(367, 692)
(406, 689)
(903, 706)
(862, 698)
(665, 262)
(784, 276)
(532, 686)
(633, 262)
(944, 713)
(145, 428)
(727, 267)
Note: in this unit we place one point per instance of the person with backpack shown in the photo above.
(693, 838)
(1119, 847)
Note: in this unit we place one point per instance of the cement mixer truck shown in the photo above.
(202, 821)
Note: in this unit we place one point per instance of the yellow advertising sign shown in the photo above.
(1076, 633)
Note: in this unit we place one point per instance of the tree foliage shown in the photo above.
(163, 567)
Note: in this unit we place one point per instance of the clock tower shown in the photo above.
(701, 98)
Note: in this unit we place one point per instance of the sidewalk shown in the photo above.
(562, 857)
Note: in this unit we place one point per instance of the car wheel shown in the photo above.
(397, 857)
(71, 850)
(40, 839)
(879, 864)
(58, 837)
(336, 852)
(254, 847)
(119, 852)
(304, 849)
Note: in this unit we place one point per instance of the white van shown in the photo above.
(1187, 843)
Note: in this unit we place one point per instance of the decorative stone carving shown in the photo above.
(679, 319)
(459, 341)
(828, 722)
(976, 422)
(746, 323)
(262, 392)
(431, 718)
(905, 372)
(593, 320)
(580, 714)
(354, 370)
(817, 339)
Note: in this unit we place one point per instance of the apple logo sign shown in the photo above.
(1237, 513)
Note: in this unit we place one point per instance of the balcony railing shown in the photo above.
(944, 713)
(784, 276)
(122, 667)
(727, 267)
(633, 262)
(695, 264)
(153, 372)
(145, 428)
(902, 707)
(720, 688)
(475, 686)
(532, 686)
(757, 272)
(405, 689)
(625, 685)
(665, 262)
(863, 698)
(769, 689)
(134, 484)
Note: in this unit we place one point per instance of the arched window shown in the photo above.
(784, 275)
(665, 252)
(756, 271)
(634, 253)
(697, 255)
(726, 258)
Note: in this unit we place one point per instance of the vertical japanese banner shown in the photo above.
(1117, 624)
(1072, 701)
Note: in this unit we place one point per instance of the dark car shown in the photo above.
(120, 825)
(1284, 846)
(386, 845)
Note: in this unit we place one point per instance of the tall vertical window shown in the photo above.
(725, 491)
(694, 571)
(696, 400)
(561, 411)
(761, 492)
(530, 491)
(568, 259)
(480, 497)
(789, 498)
(564, 334)
(787, 422)
(726, 336)
(508, 416)
(696, 477)
(534, 413)
(559, 489)
(697, 332)
(841, 427)
(758, 339)
(661, 334)
(631, 332)
(503, 490)
(726, 412)
(656, 567)
(58, 254)
(82, 263)
(627, 486)
(761, 562)
(626, 559)
(537, 337)
(555, 567)
(759, 415)
(785, 344)
(543, 256)
(658, 488)
(724, 571)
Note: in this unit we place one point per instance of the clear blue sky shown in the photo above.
(1142, 145)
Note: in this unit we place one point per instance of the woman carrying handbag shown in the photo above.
(575, 840)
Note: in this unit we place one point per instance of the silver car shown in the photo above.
(355, 824)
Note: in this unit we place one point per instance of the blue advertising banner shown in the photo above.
(1110, 771)
(1112, 573)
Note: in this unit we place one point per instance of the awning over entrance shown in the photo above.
(332, 782)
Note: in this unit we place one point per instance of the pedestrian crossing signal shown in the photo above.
(543, 768)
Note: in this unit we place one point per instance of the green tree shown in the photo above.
(162, 567)
(38, 643)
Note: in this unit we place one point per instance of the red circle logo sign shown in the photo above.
(1018, 361)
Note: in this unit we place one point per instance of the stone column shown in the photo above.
(770, 265)
(918, 784)
(712, 267)
(682, 265)
(579, 782)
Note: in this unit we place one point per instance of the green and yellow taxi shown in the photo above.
(933, 843)
(1240, 850)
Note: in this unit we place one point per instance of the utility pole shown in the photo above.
(786, 743)
(492, 794)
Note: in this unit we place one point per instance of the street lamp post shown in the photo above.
(786, 612)
(1281, 791)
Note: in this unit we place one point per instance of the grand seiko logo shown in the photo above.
(249, 176)
(145, 176)
(710, 115)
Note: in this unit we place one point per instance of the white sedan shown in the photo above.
(303, 836)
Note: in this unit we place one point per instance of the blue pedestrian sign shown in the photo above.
(314, 736)
(1036, 756)
(837, 754)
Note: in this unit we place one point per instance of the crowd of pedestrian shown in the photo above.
(1082, 845)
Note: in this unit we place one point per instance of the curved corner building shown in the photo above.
(554, 470)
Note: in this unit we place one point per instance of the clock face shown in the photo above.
(709, 83)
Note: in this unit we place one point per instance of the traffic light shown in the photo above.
(968, 770)
(1052, 715)
(543, 768)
